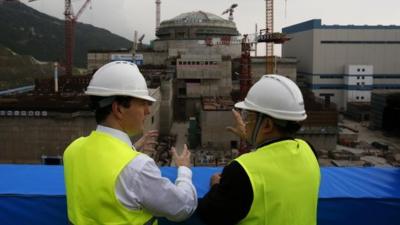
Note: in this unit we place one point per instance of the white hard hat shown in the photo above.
(119, 78)
(277, 97)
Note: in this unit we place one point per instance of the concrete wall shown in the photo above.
(213, 132)
(166, 106)
(285, 67)
(96, 60)
(152, 121)
(321, 137)
(198, 47)
(204, 76)
(26, 139)
(154, 58)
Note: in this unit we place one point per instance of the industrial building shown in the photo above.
(201, 45)
(345, 64)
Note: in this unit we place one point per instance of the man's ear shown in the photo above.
(267, 126)
(116, 110)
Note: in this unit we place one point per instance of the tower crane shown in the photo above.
(270, 37)
(70, 22)
(230, 11)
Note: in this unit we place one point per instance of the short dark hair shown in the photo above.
(286, 127)
(101, 112)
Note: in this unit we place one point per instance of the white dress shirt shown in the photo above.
(140, 185)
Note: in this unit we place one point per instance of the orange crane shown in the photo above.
(70, 22)
(270, 37)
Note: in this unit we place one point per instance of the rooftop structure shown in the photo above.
(201, 25)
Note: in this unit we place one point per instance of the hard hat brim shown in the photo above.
(242, 105)
(147, 98)
(274, 114)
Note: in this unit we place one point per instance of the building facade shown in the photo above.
(345, 63)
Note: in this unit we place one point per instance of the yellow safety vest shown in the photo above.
(91, 167)
(285, 178)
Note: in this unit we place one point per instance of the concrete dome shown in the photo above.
(194, 25)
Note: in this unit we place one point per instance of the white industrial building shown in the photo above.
(345, 63)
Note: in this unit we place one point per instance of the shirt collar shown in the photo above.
(115, 133)
(271, 141)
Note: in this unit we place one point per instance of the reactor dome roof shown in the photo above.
(203, 23)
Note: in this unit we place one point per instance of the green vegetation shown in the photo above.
(29, 32)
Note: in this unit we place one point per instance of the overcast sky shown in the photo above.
(122, 17)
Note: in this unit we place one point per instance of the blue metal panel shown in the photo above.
(31, 195)
(317, 24)
(18, 90)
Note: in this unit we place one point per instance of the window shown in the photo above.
(198, 63)
(363, 70)
(180, 63)
(362, 77)
(358, 77)
(358, 83)
(358, 70)
(182, 91)
(152, 120)
(52, 160)
(206, 62)
(184, 62)
(362, 97)
(357, 97)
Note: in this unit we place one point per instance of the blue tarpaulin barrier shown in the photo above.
(35, 195)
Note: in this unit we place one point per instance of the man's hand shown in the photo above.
(182, 159)
(215, 179)
(240, 126)
(147, 142)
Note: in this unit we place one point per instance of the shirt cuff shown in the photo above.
(184, 172)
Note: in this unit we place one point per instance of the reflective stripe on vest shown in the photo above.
(285, 179)
(91, 167)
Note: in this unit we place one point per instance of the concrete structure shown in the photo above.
(358, 111)
(385, 110)
(321, 126)
(201, 46)
(198, 47)
(341, 63)
(97, 58)
(203, 76)
(40, 125)
(199, 33)
(152, 121)
(215, 116)
(284, 66)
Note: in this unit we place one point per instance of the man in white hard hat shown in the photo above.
(107, 180)
(278, 182)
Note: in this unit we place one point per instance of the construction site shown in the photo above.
(197, 68)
